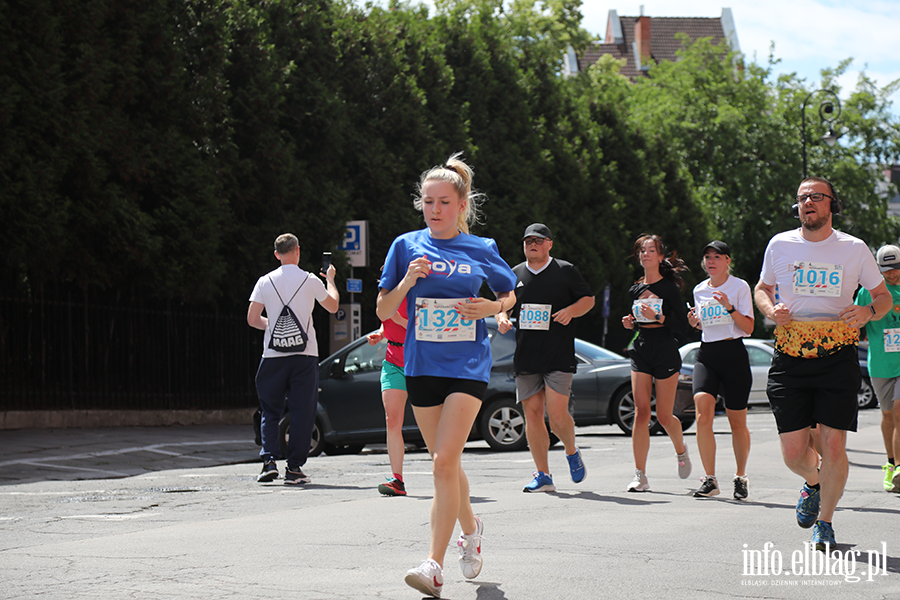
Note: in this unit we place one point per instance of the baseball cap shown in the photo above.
(538, 230)
(719, 246)
(888, 258)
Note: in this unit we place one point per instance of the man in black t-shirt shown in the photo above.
(549, 294)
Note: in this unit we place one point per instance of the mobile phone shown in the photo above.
(326, 261)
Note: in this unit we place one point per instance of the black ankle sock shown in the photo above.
(815, 487)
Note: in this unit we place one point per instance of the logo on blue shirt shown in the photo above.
(440, 266)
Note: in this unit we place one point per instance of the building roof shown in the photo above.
(622, 41)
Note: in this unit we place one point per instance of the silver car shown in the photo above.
(760, 353)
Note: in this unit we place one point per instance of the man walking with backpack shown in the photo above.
(289, 369)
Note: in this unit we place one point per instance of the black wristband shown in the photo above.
(872, 308)
(730, 311)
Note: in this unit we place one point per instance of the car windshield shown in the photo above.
(594, 352)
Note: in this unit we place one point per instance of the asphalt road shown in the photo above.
(176, 513)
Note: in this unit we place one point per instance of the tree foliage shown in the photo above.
(160, 146)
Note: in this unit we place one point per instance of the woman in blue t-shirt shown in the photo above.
(438, 272)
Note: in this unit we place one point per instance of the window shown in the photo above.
(759, 357)
(365, 358)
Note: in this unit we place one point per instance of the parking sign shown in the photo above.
(356, 243)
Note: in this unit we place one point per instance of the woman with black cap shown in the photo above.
(723, 310)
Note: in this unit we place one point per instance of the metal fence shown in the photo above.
(65, 349)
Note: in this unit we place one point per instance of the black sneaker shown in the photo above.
(269, 472)
(294, 476)
(740, 487)
(708, 488)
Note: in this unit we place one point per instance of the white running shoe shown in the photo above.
(427, 578)
(470, 560)
(684, 464)
(639, 484)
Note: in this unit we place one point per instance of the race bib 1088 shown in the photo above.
(535, 316)
(438, 321)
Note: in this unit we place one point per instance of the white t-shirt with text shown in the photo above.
(738, 292)
(841, 259)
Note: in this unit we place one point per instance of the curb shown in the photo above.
(62, 419)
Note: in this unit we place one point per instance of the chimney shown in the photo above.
(642, 38)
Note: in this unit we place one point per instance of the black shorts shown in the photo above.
(432, 391)
(806, 391)
(723, 369)
(655, 351)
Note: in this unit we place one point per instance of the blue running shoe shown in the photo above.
(576, 466)
(823, 537)
(541, 483)
(807, 507)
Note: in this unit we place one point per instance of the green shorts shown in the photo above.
(392, 377)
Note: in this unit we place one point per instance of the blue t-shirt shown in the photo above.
(459, 266)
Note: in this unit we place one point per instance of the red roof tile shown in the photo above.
(663, 41)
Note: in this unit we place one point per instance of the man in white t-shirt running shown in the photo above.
(289, 369)
(814, 377)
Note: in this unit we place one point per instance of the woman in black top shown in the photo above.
(659, 312)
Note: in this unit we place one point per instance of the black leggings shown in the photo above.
(723, 368)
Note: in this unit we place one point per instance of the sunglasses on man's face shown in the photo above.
(534, 240)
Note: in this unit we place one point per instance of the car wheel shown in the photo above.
(623, 410)
(316, 443)
(502, 425)
(865, 398)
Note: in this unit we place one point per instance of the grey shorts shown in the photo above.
(887, 389)
(529, 384)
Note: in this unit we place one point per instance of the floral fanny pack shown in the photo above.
(814, 339)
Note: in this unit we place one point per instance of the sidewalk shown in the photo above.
(93, 453)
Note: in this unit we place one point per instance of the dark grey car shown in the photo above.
(350, 414)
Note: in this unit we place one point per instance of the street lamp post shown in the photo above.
(826, 114)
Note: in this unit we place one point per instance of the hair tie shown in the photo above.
(449, 168)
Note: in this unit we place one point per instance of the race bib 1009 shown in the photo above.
(817, 279)
(535, 316)
(438, 321)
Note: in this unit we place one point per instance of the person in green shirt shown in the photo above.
(884, 361)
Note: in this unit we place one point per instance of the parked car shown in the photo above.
(350, 415)
(760, 353)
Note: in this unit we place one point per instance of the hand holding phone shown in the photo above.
(326, 262)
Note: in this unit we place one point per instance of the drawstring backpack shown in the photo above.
(288, 335)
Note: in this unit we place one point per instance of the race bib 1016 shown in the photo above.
(712, 313)
(535, 316)
(817, 279)
(892, 340)
(438, 321)
(654, 303)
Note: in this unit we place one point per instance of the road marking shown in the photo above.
(158, 448)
